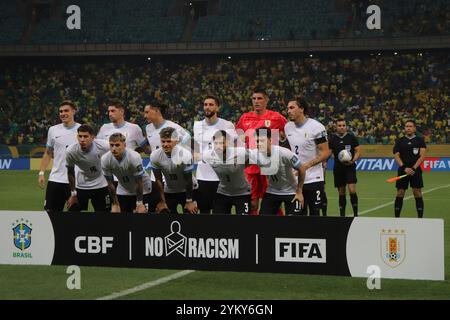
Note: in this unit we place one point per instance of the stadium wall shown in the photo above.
(363, 164)
(360, 44)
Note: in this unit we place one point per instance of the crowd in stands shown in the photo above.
(376, 92)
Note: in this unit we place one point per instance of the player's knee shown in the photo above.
(352, 188)
(341, 191)
(417, 193)
(400, 193)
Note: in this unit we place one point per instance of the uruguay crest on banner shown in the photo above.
(393, 247)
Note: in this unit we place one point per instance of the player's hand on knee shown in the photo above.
(162, 207)
(140, 208)
(191, 207)
(299, 197)
(72, 200)
(115, 208)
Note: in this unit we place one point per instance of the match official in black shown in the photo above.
(344, 172)
(409, 152)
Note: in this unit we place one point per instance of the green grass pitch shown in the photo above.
(19, 191)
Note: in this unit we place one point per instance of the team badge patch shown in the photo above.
(393, 247)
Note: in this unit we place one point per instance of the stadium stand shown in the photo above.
(12, 24)
(141, 21)
(375, 91)
(112, 21)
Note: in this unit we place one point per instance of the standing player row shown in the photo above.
(219, 182)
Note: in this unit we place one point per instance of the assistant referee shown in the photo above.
(409, 152)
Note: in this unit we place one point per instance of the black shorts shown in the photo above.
(344, 176)
(313, 194)
(128, 203)
(154, 198)
(415, 181)
(205, 195)
(175, 199)
(271, 203)
(100, 200)
(223, 204)
(56, 196)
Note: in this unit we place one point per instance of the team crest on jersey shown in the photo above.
(267, 123)
(416, 151)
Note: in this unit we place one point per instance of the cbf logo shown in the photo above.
(177, 244)
(393, 247)
(22, 234)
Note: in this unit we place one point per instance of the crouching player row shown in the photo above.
(92, 163)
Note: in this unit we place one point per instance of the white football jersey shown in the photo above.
(154, 139)
(278, 169)
(90, 175)
(173, 168)
(59, 139)
(230, 171)
(126, 170)
(203, 136)
(302, 140)
(132, 132)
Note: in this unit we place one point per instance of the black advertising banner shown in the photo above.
(288, 244)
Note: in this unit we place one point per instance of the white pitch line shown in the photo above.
(146, 285)
(406, 198)
(180, 274)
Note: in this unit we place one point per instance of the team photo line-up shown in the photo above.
(255, 166)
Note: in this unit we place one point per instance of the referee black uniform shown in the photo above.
(342, 173)
(409, 152)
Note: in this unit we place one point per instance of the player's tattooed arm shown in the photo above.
(73, 197)
(140, 207)
(300, 182)
(323, 154)
(115, 207)
(162, 205)
(191, 206)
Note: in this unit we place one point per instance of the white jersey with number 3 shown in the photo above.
(303, 141)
